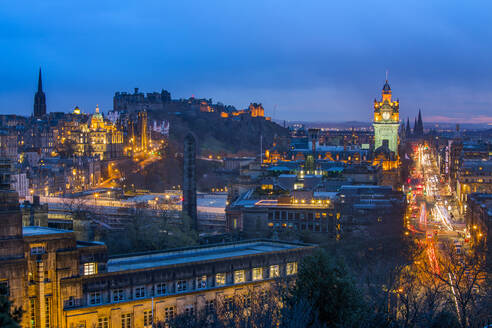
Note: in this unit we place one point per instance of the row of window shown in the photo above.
(47, 312)
(170, 312)
(476, 180)
(127, 318)
(160, 289)
(298, 215)
(316, 226)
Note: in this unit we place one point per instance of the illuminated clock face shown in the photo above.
(386, 116)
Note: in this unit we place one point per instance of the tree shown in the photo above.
(261, 307)
(145, 233)
(327, 287)
(465, 277)
(9, 317)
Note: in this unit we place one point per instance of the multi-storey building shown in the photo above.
(20, 183)
(8, 144)
(473, 176)
(62, 282)
(301, 211)
(363, 205)
(478, 218)
(91, 136)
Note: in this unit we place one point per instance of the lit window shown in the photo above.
(160, 289)
(139, 292)
(257, 273)
(220, 279)
(274, 271)
(201, 282)
(238, 276)
(90, 268)
(291, 268)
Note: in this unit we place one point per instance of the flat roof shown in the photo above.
(38, 231)
(198, 254)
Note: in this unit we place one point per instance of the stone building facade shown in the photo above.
(61, 282)
(301, 211)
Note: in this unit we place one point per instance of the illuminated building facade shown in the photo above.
(61, 282)
(93, 136)
(478, 219)
(302, 211)
(386, 120)
(386, 127)
(256, 110)
(142, 125)
(474, 176)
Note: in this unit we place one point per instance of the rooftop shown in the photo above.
(198, 254)
(39, 231)
(273, 203)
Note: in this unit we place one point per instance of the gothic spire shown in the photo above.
(39, 99)
(408, 131)
(420, 124)
(40, 81)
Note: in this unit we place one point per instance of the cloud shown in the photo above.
(305, 59)
(480, 119)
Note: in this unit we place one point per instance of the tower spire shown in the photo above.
(40, 81)
(408, 131)
(39, 99)
(420, 124)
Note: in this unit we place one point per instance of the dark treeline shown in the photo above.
(326, 293)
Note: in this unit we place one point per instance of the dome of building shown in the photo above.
(96, 119)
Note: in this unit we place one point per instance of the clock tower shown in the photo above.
(386, 120)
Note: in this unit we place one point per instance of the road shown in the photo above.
(432, 209)
(432, 215)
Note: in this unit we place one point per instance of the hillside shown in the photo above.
(224, 136)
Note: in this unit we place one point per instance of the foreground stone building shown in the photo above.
(62, 282)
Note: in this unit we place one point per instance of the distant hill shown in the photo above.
(216, 135)
(359, 124)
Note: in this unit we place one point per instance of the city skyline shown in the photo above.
(311, 69)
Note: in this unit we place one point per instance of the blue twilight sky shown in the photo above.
(304, 60)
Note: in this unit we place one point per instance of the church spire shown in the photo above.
(40, 82)
(420, 124)
(408, 130)
(39, 99)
